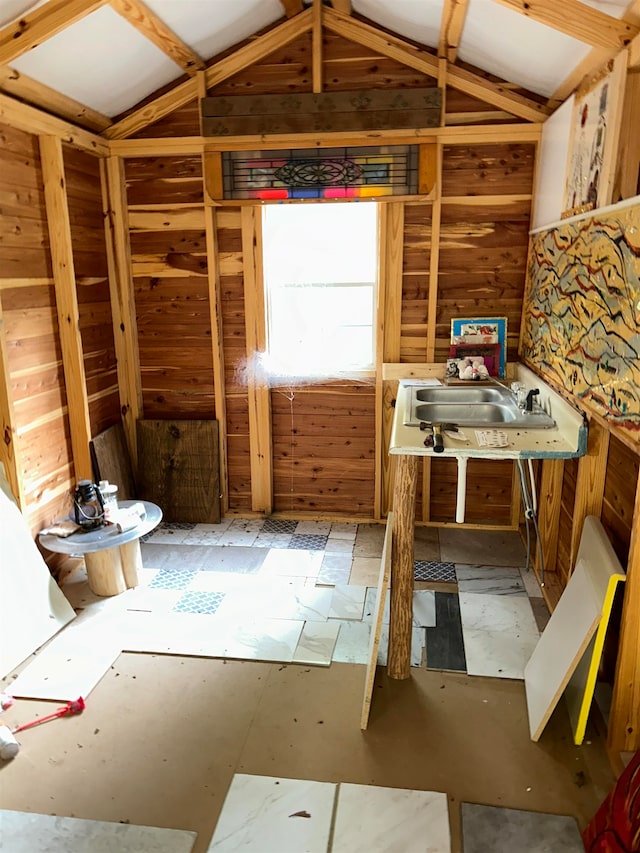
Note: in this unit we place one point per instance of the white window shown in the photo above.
(320, 277)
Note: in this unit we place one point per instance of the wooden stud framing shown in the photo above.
(259, 400)
(66, 301)
(343, 6)
(292, 7)
(592, 471)
(33, 120)
(549, 502)
(413, 57)
(38, 26)
(628, 172)
(215, 313)
(453, 14)
(153, 28)
(577, 20)
(316, 47)
(624, 717)
(123, 309)
(9, 453)
(212, 171)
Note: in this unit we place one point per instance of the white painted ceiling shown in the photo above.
(103, 62)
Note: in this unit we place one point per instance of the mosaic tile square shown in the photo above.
(309, 542)
(434, 570)
(195, 601)
(279, 525)
(172, 579)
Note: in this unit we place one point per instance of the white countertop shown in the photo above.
(567, 439)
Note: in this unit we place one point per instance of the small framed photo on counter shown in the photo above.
(482, 330)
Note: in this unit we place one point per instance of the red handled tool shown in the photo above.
(75, 707)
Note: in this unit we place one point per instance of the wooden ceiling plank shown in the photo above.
(41, 24)
(154, 28)
(13, 82)
(577, 20)
(154, 110)
(413, 57)
(32, 120)
(292, 7)
(454, 13)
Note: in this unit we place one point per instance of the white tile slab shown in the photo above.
(339, 546)
(424, 608)
(260, 815)
(249, 525)
(300, 563)
(313, 528)
(203, 537)
(24, 832)
(370, 605)
(316, 644)
(172, 633)
(221, 582)
(223, 525)
(512, 614)
(418, 639)
(347, 602)
(167, 536)
(341, 530)
(388, 820)
(492, 580)
(353, 642)
(263, 639)
(237, 537)
(497, 653)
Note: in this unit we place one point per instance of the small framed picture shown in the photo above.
(482, 329)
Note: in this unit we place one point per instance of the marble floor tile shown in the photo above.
(508, 613)
(174, 556)
(347, 602)
(530, 582)
(202, 537)
(417, 646)
(334, 569)
(164, 535)
(282, 561)
(481, 547)
(444, 644)
(370, 606)
(316, 644)
(172, 633)
(339, 546)
(221, 558)
(426, 544)
(340, 530)
(24, 832)
(489, 579)
(365, 571)
(214, 528)
(247, 525)
(497, 653)
(154, 600)
(238, 537)
(263, 814)
(261, 639)
(540, 612)
(387, 820)
(313, 528)
(369, 540)
(424, 608)
(221, 582)
(500, 830)
(272, 540)
(352, 645)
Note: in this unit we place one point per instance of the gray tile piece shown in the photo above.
(426, 543)
(237, 558)
(481, 547)
(488, 828)
(335, 569)
(531, 583)
(494, 580)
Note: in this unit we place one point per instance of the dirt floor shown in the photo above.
(162, 736)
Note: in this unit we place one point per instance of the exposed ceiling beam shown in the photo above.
(316, 47)
(24, 88)
(407, 54)
(453, 14)
(215, 74)
(292, 7)
(153, 28)
(32, 120)
(41, 24)
(577, 20)
(343, 6)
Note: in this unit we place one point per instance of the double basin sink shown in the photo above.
(473, 406)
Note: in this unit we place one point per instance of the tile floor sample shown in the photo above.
(488, 828)
(24, 832)
(264, 813)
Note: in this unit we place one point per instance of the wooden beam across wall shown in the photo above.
(32, 120)
(156, 31)
(259, 399)
(589, 492)
(123, 309)
(58, 223)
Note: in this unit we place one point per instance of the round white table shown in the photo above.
(112, 558)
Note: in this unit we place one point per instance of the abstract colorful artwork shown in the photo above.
(582, 310)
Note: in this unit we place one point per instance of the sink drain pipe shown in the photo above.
(529, 499)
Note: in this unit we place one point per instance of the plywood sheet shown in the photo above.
(178, 468)
(34, 608)
(111, 461)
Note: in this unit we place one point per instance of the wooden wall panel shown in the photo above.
(619, 496)
(415, 282)
(488, 491)
(164, 180)
(565, 523)
(496, 169)
(324, 449)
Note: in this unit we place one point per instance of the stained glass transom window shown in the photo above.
(330, 173)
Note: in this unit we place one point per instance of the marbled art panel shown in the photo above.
(582, 311)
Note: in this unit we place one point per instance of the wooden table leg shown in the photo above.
(131, 557)
(104, 570)
(401, 617)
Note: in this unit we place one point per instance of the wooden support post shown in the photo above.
(259, 399)
(215, 314)
(105, 573)
(316, 47)
(624, 718)
(401, 618)
(66, 302)
(434, 261)
(549, 502)
(592, 470)
(9, 453)
(123, 308)
(131, 560)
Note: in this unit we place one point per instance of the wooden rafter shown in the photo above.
(292, 7)
(17, 84)
(577, 20)
(413, 57)
(316, 47)
(227, 67)
(343, 6)
(41, 24)
(153, 28)
(453, 14)
(33, 120)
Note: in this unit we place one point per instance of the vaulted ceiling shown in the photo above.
(93, 61)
